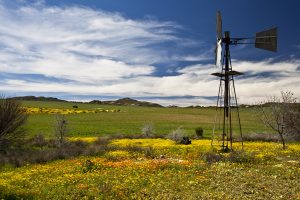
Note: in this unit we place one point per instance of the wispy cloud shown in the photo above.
(80, 43)
(81, 51)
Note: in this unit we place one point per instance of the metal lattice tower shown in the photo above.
(227, 104)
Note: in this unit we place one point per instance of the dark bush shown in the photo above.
(293, 124)
(39, 140)
(186, 141)
(27, 153)
(266, 137)
(12, 119)
(240, 157)
(234, 156)
(212, 157)
(199, 132)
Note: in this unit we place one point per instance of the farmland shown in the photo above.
(130, 119)
(107, 167)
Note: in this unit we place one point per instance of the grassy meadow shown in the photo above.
(131, 119)
(99, 165)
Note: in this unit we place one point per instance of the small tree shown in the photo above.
(12, 118)
(279, 114)
(61, 128)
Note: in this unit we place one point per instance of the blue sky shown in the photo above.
(158, 50)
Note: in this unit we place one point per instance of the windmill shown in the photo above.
(227, 98)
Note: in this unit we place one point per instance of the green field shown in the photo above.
(131, 119)
(101, 167)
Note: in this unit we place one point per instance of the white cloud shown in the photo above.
(107, 54)
(192, 81)
(284, 76)
(80, 43)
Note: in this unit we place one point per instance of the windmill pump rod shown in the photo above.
(227, 42)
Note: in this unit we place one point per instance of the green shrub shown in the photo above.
(212, 157)
(149, 152)
(88, 166)
(233, 157)
(199, 132)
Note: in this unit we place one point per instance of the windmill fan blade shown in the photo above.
(267, 40)
(218, 49)
(219, 25)
(218, 53)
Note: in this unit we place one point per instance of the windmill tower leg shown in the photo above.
(219, 102)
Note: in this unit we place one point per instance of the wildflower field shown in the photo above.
(97, 160)
(161, 169)
(36, 110)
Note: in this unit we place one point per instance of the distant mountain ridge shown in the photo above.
(34, 98)
(119, 102)
(127, 102)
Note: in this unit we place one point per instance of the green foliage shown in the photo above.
(12, 119)
(149, 152)
(88, 166)
(199, 132)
